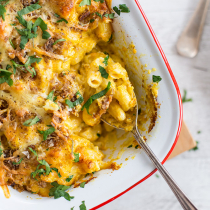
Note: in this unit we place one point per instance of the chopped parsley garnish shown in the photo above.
(157, 175)
(111, 16)
(101, 1)
(50, 96)
(156, 78)
(79, 100)
(29, 9)
(69, 178)
(96, 96)
(29, 32)
(139, 111)
(97, 13)
(5, 77)
(82, 206)
(136, 147)
(59, 40)
(72, 208)
(40, 171)
(98, 134)
(58, 191)
(122, 8)
(130, 146)
(31, 122)
(103, 72)
(1, 150)
(110, 38)
(31, 60)
(85, 2)
(13, 24)
(76, 157)
(185, 99)
(92, 20)
(56, 170)
(199, 132)
(106, 59)
(82, 185)
(8, 67)
(61, 20)
(2, 9)
(196, 147)
(47, 132)
(13, 46)
(18, 163)
(116, 10)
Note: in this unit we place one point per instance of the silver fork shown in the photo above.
(182, 198)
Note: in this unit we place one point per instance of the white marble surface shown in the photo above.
(191, 169)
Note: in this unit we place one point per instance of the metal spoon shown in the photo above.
(189, 40)
(182, 198)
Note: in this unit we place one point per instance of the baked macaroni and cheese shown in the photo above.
(56, 84)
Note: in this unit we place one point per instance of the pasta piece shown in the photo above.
(123, 97)
(116, 111)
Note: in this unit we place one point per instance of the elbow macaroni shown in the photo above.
(56, 81)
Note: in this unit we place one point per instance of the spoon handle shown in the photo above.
(189, 40)
(182, 198)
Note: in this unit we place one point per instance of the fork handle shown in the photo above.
(182, 198)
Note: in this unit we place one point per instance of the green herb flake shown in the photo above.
(106, 59)
(156, 79)
(110, 38)
(101, 1)
(47, 132)
(59, 40)
(85, 2)
(199, 132)
(56, 15)
(82, 185)
(136, 147)
(82, 206)
(69, 178)
(31, 122)
(1, 150)
(92, 20)
(56, 170)
(139, 111)
(58, 191)
(72, 208)
(97, 13)
(157, 175)
(13, 24)
(5, 77)
(185, 99)
(76, 157)
(29, 9)
(196, 147)
(18, 163)
(62, 20)
(116, 10)
(13, 46)
(124, 8)
(103, 72)
(96, 96)
(79, 100)
(31, 60)
(111, 16)
(130, 146)
(8, 67)
(99, 135)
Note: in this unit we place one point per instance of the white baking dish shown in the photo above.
(108, 186)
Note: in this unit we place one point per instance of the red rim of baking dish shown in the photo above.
(180, 108)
